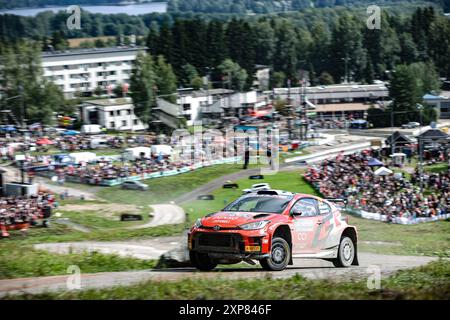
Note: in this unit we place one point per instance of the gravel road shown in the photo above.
(312, 269)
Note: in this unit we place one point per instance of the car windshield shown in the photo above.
(272, 204)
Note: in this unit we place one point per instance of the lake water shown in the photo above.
(132, 9)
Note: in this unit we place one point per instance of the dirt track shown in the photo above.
(312, 269)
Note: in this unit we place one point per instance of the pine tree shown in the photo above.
(143, 87)
(166, 81)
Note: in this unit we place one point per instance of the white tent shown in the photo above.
(138, 151)
(78, 157)
(383, 171)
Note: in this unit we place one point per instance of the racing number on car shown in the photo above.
(302, 236)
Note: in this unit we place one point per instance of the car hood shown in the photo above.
(227, 219)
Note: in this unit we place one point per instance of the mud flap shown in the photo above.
(355, 260)
(291, 262)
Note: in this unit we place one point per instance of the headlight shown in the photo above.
(254, 225)
(198, 223)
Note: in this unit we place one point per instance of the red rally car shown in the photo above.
(274, 227)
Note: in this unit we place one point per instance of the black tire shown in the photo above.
(280, 255)
(201, 261)
(346, 253)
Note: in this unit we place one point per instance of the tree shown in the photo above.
(235, 76)
(166, 81)
(326, 78)
(278, 79)
(59, 41)
(143, 87)
(368, 72)
(188, 74)
(21, 76)
(408, 85)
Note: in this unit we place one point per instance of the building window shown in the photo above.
(128, 112)
(112, 124)
(135, 122)
(111, 113)
(124, 123)
(188, 117)
(118, 112)
(186, 106)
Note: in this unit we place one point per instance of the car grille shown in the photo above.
(218, 242)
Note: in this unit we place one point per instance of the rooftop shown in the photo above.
(204, 93)
(336, 107)
(74, 52)
(109, 102)
(336, 88)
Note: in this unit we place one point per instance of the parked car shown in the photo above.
(273, 227)
(257, 187)
(134, 185)
(411, 125)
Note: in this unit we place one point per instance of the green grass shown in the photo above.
(289, 181)
(428, 282)
(429, 239)
(98, 152)
(437, 168)
(18, 258)
(92, 220)
(167, 188)
(19, 261)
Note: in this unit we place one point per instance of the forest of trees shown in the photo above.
(270, 6)
(323, 48)
(331, 45)
(222, 6)
(319, 41)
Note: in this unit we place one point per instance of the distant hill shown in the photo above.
(269, 6)
(11, 4)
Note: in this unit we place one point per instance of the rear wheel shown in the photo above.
(280, 255)
(346, 253)
(201, 261)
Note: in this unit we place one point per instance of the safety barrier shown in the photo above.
(145, 176)
(398, 220)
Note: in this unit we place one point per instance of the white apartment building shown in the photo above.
(199, 105)
(83, 70)
(115, 114)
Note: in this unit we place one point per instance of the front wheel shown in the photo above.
(346, 253)
(280, 255)
(201, 261)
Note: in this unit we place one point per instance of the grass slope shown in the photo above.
(167, 188)
(427, 282)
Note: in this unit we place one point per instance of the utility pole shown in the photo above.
(289, 107)
(346, 59)
(420, 108)
(22, 107)
(392, 129)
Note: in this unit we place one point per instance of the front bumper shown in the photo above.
(237, 243)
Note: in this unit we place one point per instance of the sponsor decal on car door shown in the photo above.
(305, 226)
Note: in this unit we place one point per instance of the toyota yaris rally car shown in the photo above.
(273, 227)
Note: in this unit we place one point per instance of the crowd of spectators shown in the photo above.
(25, 210)
(351, 177)
(98, 172)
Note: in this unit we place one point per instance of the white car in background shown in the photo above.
(411, 125)
(134, 185)
(257, 187)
